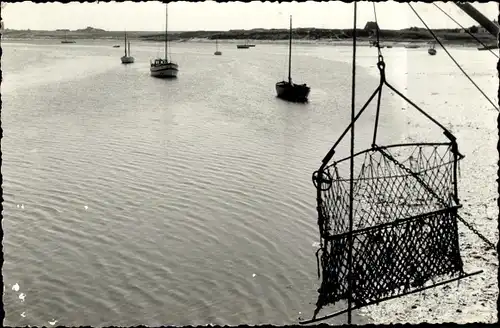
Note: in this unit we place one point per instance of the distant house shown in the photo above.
(481, 30)
(371, 26)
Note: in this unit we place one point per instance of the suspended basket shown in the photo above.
(404, 218)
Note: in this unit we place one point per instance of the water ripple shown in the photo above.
(149, 202)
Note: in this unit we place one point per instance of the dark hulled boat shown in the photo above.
(163, 67)
(288, 90)
(242, 46)
(246, 45)
(66, 39)
(432, 50)
(217, 52)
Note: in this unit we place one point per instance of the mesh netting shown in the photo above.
(404, 222)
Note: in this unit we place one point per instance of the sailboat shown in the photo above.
(432, 50)
(127, 59)
(217, 52)
(66, 38)
(288, 90)
(162, 67)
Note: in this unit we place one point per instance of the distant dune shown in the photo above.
(454, 36)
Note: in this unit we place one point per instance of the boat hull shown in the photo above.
(292, 92)
(127, 59)
(242, 46)
(217, 53)
(167, 70)
(432, 52)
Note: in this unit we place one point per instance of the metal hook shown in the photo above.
(381, 68)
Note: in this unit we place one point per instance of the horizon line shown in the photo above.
(229, 30)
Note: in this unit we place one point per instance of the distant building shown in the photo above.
(481, 30)
(371, 26)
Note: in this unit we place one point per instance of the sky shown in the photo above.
(211, 16)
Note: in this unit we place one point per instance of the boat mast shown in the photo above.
(217, 44)
(129, 48)
(126, 44)
(290, 54)
(166, 31)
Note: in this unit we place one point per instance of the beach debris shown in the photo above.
(86, 207)
(15, 287)
(23, 314)
(254, 275)
(22, 296)
(53, 322)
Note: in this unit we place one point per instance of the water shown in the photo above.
(132, 200)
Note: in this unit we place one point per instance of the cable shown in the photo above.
(498, 149)
(468, 225)
(458, 65)
(351, 173)
(466, 30)
(377, 31)
(381, 67)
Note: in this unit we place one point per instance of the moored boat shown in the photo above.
(163, 67)
(217, 52)
(127, 59)
(287, 90)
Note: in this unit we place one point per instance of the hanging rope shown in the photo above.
(351, 170)
(381, 68)
(498, 148)
(377, 31)
(458, 65)
(466, 30)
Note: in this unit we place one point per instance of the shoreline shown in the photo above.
(412, 35)
(362, 41)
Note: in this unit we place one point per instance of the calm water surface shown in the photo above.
(132, 200)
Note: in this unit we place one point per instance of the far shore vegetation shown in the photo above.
(412, 34)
